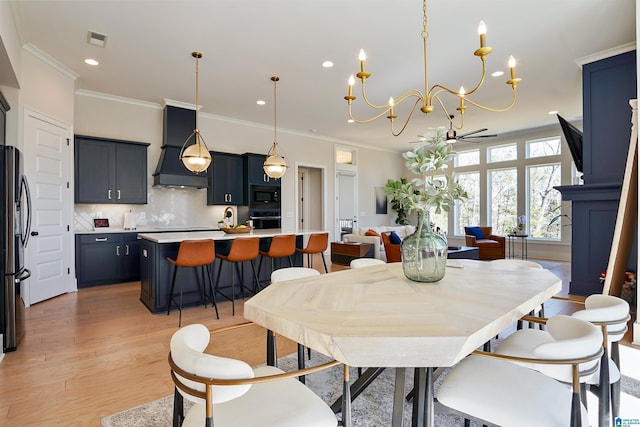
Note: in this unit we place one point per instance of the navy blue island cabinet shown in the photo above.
(156, 272)
(608, 85)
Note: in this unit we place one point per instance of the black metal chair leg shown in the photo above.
(301, 378)
(326, 270)
(173, 284)
(213, 294)
(178, 408)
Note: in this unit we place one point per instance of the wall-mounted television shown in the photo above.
(573, 136)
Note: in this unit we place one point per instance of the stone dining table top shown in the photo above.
(374, 316)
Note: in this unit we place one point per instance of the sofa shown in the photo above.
(372, 235)
(489, 245)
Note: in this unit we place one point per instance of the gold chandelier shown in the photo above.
(431, 94)
(274, 165)
(196, 157)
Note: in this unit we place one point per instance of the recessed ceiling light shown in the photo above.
(497, 73)
(260, 102)
(350, 121)
(553, 112)
(327, 64)
(91, 61)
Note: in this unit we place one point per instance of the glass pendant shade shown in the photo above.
(274, 166)
(196, 157)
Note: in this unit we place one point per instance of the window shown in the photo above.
(468, 211)
(467, 158)
(503, 196)
(502, 153)
(544, 200)
(344, 157)
(440, 220)
(543, 148)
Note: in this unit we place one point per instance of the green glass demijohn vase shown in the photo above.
(424, 253)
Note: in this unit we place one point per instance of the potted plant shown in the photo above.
(424, 253)
(392, 189)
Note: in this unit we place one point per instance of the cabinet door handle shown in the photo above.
(101, 239)
(118, 194)
(118, 250)
(230, 198)
(126, 249)
(109, 194)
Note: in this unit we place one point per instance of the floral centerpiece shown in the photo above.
(424, 253)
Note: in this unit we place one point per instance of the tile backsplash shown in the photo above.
(166, 207)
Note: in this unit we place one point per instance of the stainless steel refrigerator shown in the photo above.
(16, 227)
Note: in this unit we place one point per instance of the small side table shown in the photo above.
(343, 252)
(511, 239)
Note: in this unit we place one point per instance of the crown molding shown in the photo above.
(116, 98)
(605, 54)
(44, 57)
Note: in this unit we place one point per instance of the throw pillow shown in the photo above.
(371, 232)
(394, 238)
(475, 231)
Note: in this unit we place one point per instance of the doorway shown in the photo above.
(346, 202)
(310, 198)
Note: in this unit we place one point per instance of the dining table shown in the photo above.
(376, 317)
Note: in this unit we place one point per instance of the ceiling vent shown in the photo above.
(96, 39)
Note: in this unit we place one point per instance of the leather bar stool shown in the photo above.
(242, 249)
(193, 254)
(317, 244)
(282, 246)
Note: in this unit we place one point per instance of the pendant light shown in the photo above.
(196, 157)
(274, 165)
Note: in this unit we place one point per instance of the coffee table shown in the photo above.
(463, 252)
(344, 252)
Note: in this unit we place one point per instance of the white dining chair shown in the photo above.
(499, 389)
(521, 263)
(612, 315)
(365, 262)
(292, 273)
(229, 393)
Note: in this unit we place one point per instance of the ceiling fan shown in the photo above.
(452, 136)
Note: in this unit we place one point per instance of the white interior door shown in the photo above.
(48, 167)
(347, 191)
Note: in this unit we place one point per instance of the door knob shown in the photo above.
(34, 233)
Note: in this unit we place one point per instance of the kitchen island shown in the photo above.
(156, 271)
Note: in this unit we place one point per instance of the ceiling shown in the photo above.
(148, 55)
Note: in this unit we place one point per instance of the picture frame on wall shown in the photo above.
(381, 201)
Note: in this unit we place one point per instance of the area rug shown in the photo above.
(373, 408)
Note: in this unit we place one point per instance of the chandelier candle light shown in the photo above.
(274, 165)
(196, 157)
(426, 99)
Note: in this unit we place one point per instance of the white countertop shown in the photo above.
(148, 229)
(179, 236)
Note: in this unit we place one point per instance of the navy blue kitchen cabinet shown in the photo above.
(107, 258)
(110, 171)
(226, 179)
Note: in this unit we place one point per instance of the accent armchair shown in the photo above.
(489, 245)
(392, 250)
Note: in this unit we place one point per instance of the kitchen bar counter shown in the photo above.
(179, 236)
(156, 272)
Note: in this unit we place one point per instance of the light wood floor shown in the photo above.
(99, 351)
